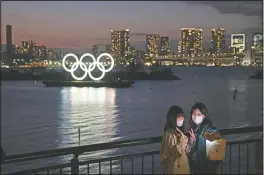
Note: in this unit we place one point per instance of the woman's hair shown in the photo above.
(203, 109)
(172, 114)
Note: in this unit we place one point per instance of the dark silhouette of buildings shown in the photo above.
(9, 45)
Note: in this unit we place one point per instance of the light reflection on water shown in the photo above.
(85, 108)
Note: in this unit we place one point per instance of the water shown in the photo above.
(36, 118)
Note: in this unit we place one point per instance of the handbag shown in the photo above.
(215, 150)
(215, 146)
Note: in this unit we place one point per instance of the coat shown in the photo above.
(173, 156)
(199, 163)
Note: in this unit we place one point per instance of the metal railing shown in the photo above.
(117, 163)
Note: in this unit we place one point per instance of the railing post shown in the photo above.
(75, 165)
(259, 156)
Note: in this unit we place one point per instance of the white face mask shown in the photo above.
(197, 119)
(179, 123)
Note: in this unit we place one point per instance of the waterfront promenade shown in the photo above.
(242, 157)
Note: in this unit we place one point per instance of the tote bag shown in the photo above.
(215, 150)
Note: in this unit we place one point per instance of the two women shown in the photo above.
(183, 155)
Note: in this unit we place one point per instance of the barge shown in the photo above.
(111, 84)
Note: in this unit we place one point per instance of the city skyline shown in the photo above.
(26, 27)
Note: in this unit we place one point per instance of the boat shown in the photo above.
(111, 84)
(257, 75)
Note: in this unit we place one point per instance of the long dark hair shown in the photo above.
(172, 114)
(203, 109)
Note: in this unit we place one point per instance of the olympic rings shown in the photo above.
(90, 68)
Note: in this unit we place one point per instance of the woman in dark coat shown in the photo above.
(199, 124)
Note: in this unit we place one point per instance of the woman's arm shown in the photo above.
(189, 146)
(176, 148)
(191, 141)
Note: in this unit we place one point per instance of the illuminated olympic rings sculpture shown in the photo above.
(91, 66)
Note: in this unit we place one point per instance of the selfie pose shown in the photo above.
(203, 159)
(174, 144)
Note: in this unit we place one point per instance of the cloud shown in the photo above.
(246, 8)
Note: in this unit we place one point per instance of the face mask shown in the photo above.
(197, 119)
(180, 123)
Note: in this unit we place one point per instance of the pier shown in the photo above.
(147, 161)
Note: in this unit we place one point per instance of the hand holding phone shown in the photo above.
(212, 136)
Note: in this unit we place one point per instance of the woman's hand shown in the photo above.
(183, 137)
(192, 136)
(188, 149)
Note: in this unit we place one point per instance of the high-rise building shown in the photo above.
(40, 52)
(152, 43)
(120, 43)
(238, 41)
(95, 50)
(191, 42)
(257, 42)
(29, 51)
(29, 47)
(179, 47)
(232, 50)
(108, 48)
(198, 42)
(165, 46)
(101, 48)
(257, 48)
(218, 41)
(9, 45)
(133, 52)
